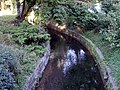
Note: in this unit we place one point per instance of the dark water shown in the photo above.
(71, 67)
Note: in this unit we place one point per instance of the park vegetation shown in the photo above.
(22, 43)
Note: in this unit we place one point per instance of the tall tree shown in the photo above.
(26, 8)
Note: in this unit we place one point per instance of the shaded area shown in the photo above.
(71, 67)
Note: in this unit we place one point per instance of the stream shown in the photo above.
(71, 67)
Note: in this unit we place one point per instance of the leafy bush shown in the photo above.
(110, 23)
(11, 57)
(83, 18)
(39, 50)
(7, 81)
(70, 13)
(108, 5)
(8, 67)
(32, 36)
(28, 34)
(59, 14)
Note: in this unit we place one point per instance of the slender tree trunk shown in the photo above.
(24, 12)
(18, 8)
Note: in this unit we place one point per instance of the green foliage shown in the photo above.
(59, 14)
(11, 57)
(28, 34)
(110, 26)
(28, 63)
(7, 81)
(53, 9)
(31, 40)
(8, 66)
(107, 6)
(81, 17)
(39, 50)
(68, 12)
(7, 18)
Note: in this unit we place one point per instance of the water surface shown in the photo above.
(71, 67)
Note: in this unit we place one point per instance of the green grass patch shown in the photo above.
(112, 55)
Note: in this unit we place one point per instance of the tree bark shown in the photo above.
(25, 13)
(18, 8)
(29, 7)
(22, 13)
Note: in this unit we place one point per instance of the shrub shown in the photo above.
(28, 34)
(7, 81)
(111, 20)
(11, 57)
(39, 50)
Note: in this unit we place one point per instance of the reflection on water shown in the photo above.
(71, 67)
(81, 55)
(72, 59)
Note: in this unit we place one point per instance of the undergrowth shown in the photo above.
(30, 42)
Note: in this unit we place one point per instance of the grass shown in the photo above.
(28, 60)
(5, 23)
(112, 55)
(7, 18)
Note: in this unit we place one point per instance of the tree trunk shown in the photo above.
(24, 12)
(18, 8)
